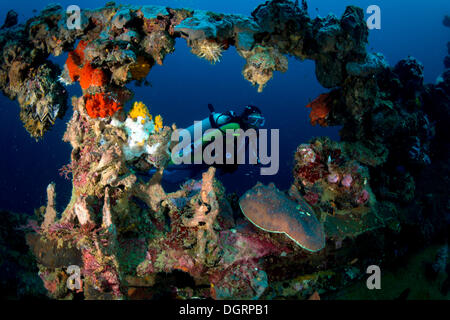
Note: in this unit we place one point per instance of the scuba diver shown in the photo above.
(219, 122)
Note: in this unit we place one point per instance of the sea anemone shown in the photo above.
(206, 49)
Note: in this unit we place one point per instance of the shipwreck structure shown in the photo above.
(125, 232)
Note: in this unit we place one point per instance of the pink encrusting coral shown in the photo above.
(312, 197)
(347, 181)
(363, 197)
(330, 179)
(333, 177)
(271, 210)
(309, 166)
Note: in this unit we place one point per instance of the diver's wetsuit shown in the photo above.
(223, 122)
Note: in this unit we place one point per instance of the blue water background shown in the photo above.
(185, 84)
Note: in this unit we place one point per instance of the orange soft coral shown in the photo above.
(91, 77)
(82, 70)
(76, 59)
(101, 106)
(320, 108)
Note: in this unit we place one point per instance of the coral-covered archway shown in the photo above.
(124, 231)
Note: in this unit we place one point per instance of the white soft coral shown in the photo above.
(138, 132)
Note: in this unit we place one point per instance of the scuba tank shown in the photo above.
(216, 120)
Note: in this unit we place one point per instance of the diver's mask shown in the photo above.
(253, 117)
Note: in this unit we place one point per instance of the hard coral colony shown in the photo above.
(124, 229)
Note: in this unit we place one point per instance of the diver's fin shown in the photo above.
(211, 108)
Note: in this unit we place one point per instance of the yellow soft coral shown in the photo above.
(158, 123)
(140, 110)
